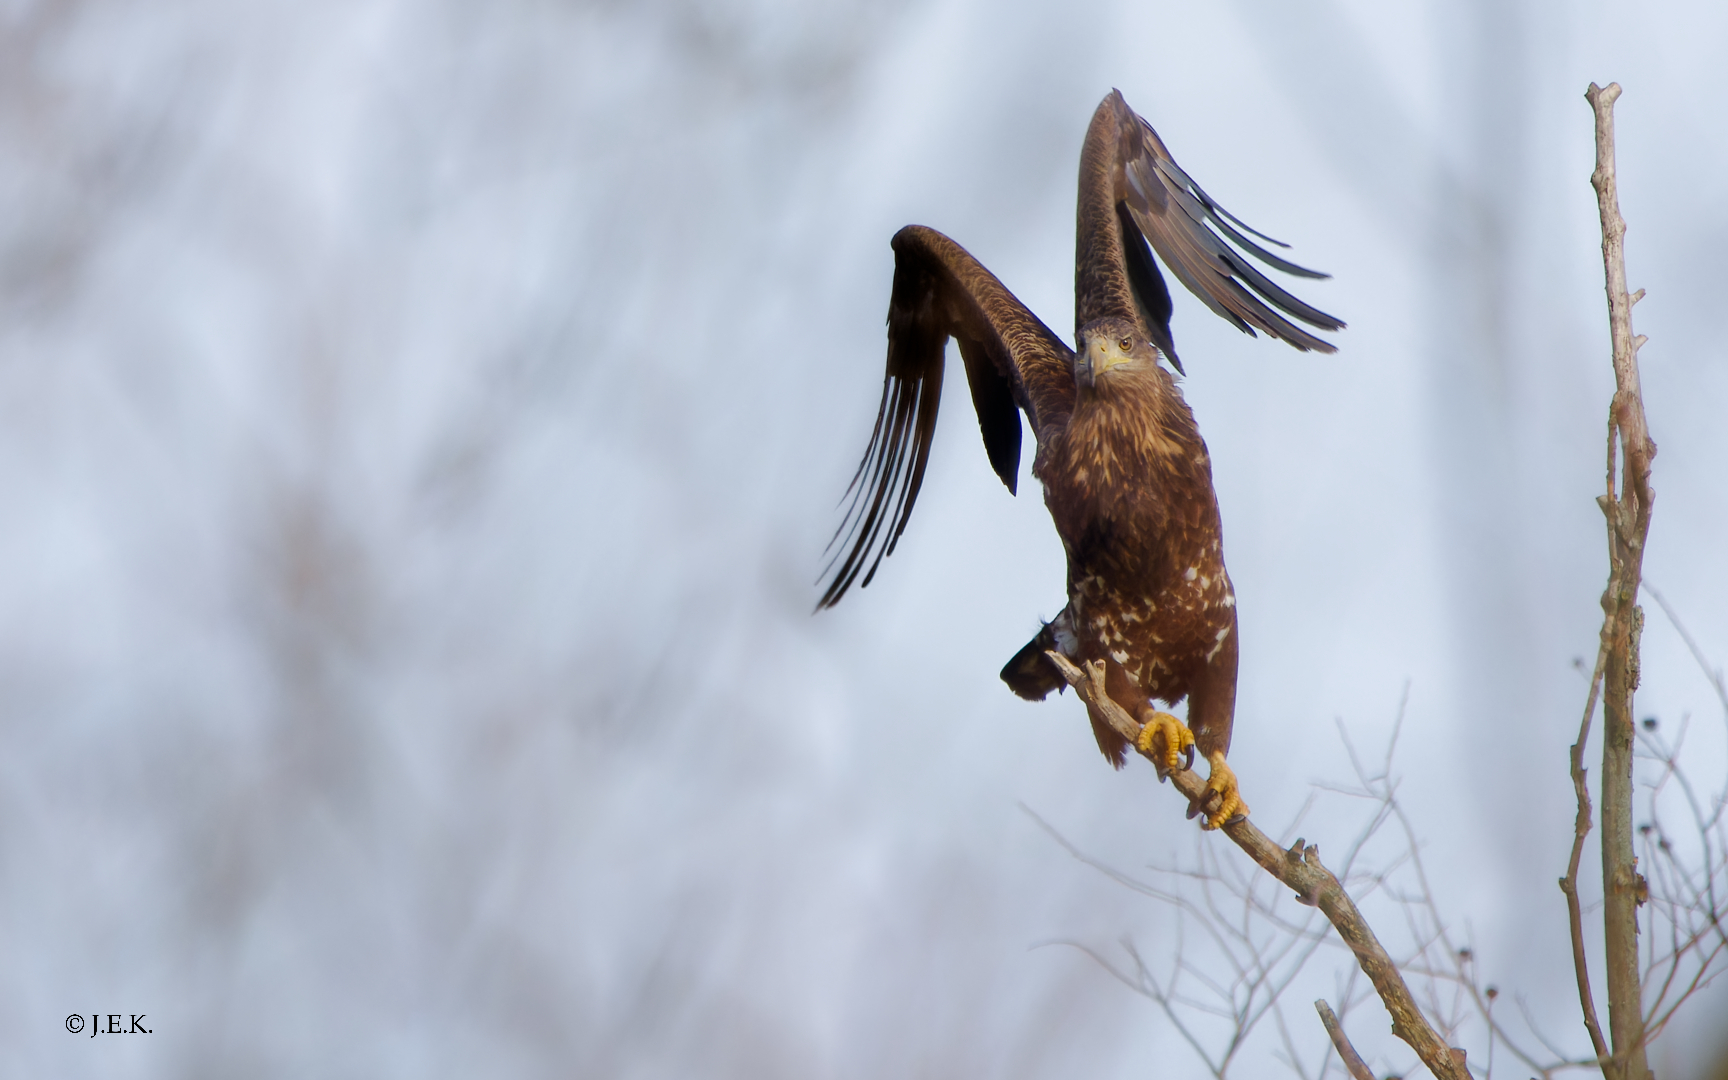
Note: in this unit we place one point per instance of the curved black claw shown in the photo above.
(1207, 797)
(1187, 764)
(1197, 806)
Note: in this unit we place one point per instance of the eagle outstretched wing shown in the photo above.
(1168, 209)
(1013, 362)
(1132, 193)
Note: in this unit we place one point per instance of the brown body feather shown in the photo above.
(1129, 486)
(1126, 475)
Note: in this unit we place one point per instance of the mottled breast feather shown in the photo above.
(1129, 486)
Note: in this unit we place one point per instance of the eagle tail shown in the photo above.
(1031, 674)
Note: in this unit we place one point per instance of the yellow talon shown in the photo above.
(1163, 738)
(1220, 792)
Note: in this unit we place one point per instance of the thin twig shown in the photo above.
(1714, 675)
(1569, 883)
(1347, 1053)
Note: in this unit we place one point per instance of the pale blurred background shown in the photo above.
(420, 424)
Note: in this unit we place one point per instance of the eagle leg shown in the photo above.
(1164, 739)
(1220, 801)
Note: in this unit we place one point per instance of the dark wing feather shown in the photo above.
(1151, 295)
(1013, 362)
(1177, 217)
(998, 413)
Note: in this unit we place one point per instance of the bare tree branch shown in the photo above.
(1347, 1053)
(1569, 883)
(1628, 514)
(1300, 868)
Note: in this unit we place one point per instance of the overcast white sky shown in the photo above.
(420, 424)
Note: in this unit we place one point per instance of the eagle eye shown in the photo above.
(1127, 344)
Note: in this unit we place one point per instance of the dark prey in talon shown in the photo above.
(1126, 475)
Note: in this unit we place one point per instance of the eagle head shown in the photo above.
(1110, 345)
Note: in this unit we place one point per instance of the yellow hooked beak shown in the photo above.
(1101, 354)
